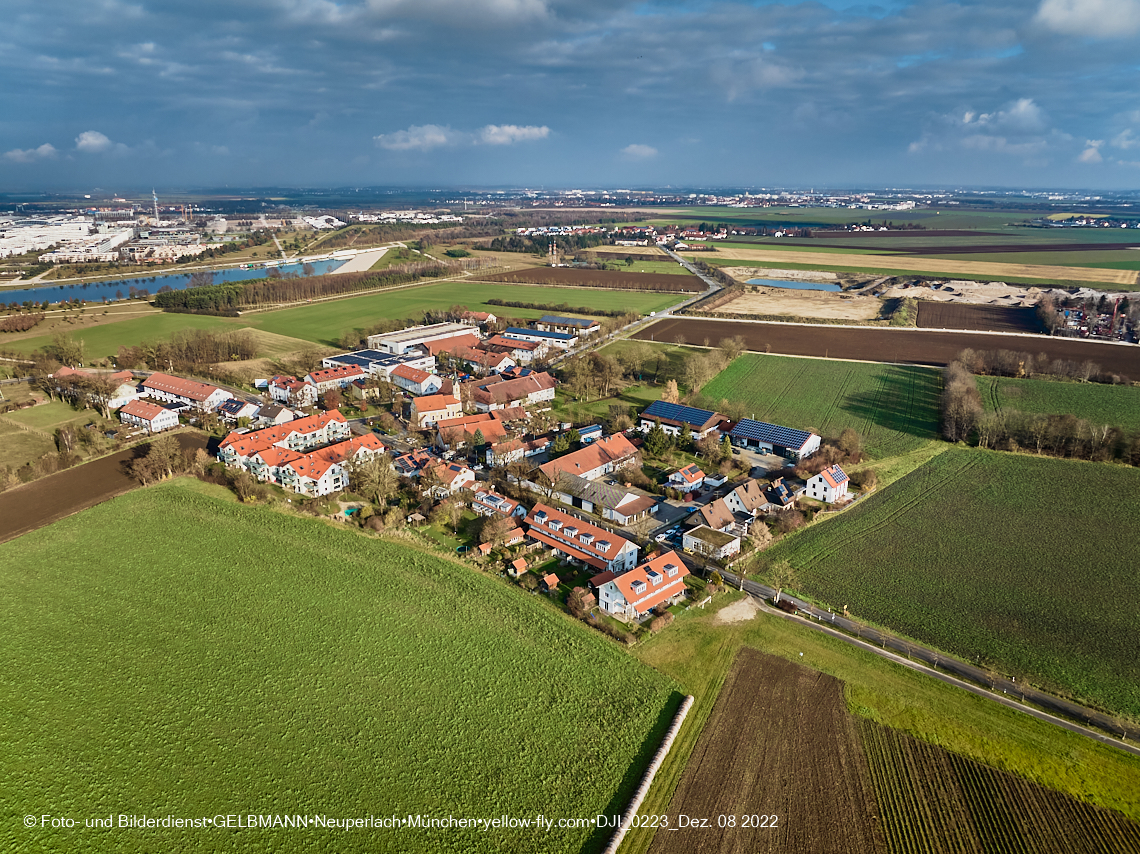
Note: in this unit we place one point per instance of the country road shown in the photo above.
(953, 671)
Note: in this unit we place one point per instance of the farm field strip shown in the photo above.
(572, 276)
(357, 672)
(976, 318)
(1099, 404)
(920, 558)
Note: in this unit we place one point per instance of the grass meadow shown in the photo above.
(170, 653)
(1115, 405)
(894, 407)
(1026, 564)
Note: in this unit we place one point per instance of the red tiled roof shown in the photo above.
(608, 450)
(447, 345)
(143, 409)
(511, 343)
(179, 386)
(433, 403)
(247, 444)
(517, 389)
(409, 373)
(652, 594)
(591, 550)
(340, 372)
(834, 476)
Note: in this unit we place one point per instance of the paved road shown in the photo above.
(953, 671)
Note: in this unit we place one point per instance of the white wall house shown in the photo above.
(150, 416)
(635, 593)
(829, 486)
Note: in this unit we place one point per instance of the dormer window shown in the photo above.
(604, 545)
(540, 516)
(555, 524)
(637, 586)
(586, 537)
(671, 569)
(570, 531)
(654, 577)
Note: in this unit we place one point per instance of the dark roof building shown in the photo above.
(773, 439)
(675, 417)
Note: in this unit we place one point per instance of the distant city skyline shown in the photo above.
(515, 93)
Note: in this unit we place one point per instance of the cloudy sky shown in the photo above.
(123, 95)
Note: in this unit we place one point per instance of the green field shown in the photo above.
(169, 653)
(1115, 405)
(104, 340)
(1026, 562)
(894, 407)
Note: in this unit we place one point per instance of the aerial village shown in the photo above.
(462, 435)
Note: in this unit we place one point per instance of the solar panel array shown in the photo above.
(677, 412)
(772, 434)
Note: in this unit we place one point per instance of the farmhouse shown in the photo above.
(711, 543)
(633, 594)
(571, 325)
(430, 408)
(580, 541)
(150, 416)
(535, 387)
(327, 379)
(829, 486)
(555, 340)
(415, 381)
(201, 396)
(597, 459)
(479, 318)
(119, 388)
(523, 352)
(675, 418)
(772, 439)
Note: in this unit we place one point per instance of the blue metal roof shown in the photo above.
(558, 336)
(677, 412)
(364, 358)
(567, 321)
(761, 431)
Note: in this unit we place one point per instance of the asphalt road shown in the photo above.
(1024, 698)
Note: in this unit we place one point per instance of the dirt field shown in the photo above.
(803, 304)
(938, 266)
(51, 498)
(780, 743)
(931, 800)
(977, 318)
(578, 278)
(654, 252)
(877, 344)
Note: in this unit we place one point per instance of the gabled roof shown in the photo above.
(247, 444)
(493, 501)
(544, 521)
(750, 495)
(833, 476)
(608, 450)
(638, 585)
(772, 434)
(512, 343)
(507, 390)
(675, 413)
(555, 320)
(315, 464)
(690, 473)
(143, 409)
(341, 372)
(409, 373)
(448, 345)
(434, 403)
(179, 386)
(716, 514)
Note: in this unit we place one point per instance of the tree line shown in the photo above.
(20, 322)
(190, 349)
(965, 419)
(542, 306)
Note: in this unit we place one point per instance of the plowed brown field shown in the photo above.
(933, 801)
(977, 318)
(870, 344)
(579, 278)
(779, 743)
(51, 498)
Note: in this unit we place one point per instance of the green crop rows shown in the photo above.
(1027, 564)
(894, 407)
(167, 653)
(1115, 405)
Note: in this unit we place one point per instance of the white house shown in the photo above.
(688, 478)
(178, 390)
(703, 540)
(450, 478)
(235, 409)
(292, 391)
(416, 381)
(556, 340)
(829, 486)
(490, 503)
(581, 541)
(327, 379)
(150, 416)
(635, 593)
(432, 408)
(676, 418)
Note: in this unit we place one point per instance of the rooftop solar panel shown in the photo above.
(677, 412)
(760, 431)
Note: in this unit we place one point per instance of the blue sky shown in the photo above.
(115, 94)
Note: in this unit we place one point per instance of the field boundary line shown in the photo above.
(5, 419)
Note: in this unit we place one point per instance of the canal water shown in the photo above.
(117, 289)
(795, 286)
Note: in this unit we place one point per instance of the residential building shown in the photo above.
(449, 478)
(708, 542)
(326, 470)
(675, 419)
(487, 502)
(452, 343)
(596, 460)
(535, 387)
(554, 340)
(274, 415)
(580, 541)
(416, 381)
(780, 495)
(772, 439)
(327, 379)
(688, 478)
(523, 352)
(414, 462)
(380, 364)
(456, 432)
(150, 416)
(234, 409)
(633, 594)
(302, 434)
(119, 388)
(432, 408)
(613, 503)
(829, 486)
(570, 325)
(479, 318)
(172, 389)
(290, 390)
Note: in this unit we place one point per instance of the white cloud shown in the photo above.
(508, 134)
(1125, 139)
(30, 155)
(1096, 18)
(636, 151)
(1021, 116)
(92, 142)
(417, 137)
(1091, 154)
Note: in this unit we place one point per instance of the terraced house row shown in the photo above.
(310, 456)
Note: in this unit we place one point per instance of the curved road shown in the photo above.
(953, 671)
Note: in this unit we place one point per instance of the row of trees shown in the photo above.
(190, 349)
(1016, 363)
(20, 322)
(563, 307)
